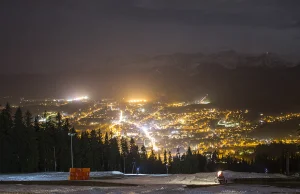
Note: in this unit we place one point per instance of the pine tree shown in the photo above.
(159, 166)
(20, 148)
(165, 158)
(151, 162)
(143, 163)
(106, 152)
(170, 162)
(85, 149)
(49, 141)
(124, 147)
(100, 151)
(77, 148)
(189, 162)
(114, 154)
(124, 154)
(176, 164)
(91, 153)
(64, 157)
(28, 119)
(58, 121)
(134, 157)
(33, 152)
(93, 157)
(170, 157)
(40, 133)
(6, 140)
(299, 139)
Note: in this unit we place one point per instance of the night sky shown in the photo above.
(55, 35)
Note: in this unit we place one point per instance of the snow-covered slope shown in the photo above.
(54, 176)
(197, 179)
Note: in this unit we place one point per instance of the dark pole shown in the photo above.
(54, 160)
(167, 166)
(72, 151)
(124, 164)
(71, 135)
(287, 163)
(133, 165)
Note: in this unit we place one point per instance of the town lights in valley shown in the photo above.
(137, 100)
(78, 98)
(146, 131)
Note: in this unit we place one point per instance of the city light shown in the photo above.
(42, 120)
(121, 117)
(159, 128)
(146, 131)
(137, 100)
(78, 98)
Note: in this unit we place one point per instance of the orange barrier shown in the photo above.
(79, 174)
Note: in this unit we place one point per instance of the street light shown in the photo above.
(71, 135)
(167, 167)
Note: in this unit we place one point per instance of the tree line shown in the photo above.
(26, 145)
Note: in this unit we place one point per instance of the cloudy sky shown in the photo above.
(48, 35)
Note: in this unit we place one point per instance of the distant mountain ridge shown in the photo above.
(232, 79)
(229, 59)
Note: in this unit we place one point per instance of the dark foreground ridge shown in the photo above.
(279, 182)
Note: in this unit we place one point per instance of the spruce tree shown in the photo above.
(20, 147)
(84, 149)
(59, 121)
(64, 157)
(151, 162)
(143, 161)
(170, 161)
(6, 140)
(92, 143)
(106, 152)
(114, 154)
(100, 151)
(170, 157)
(124, 154)
(165, 158)
(40, 132)
(33, 151)
(134, 157)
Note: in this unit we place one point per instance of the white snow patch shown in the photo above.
(54, 176)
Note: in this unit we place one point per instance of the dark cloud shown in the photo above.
(59, 34)
(254, 13)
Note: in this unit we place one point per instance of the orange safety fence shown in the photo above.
(79, 174)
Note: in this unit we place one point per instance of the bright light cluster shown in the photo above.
(78, 98)
(137, 100)
(146, 131)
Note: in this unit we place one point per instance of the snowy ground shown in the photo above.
(54, 176)
(190, 179)
(162, 183)
(145, 189)
(199, 178)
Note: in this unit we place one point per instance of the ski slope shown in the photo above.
(55, 176)
(110, 176)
